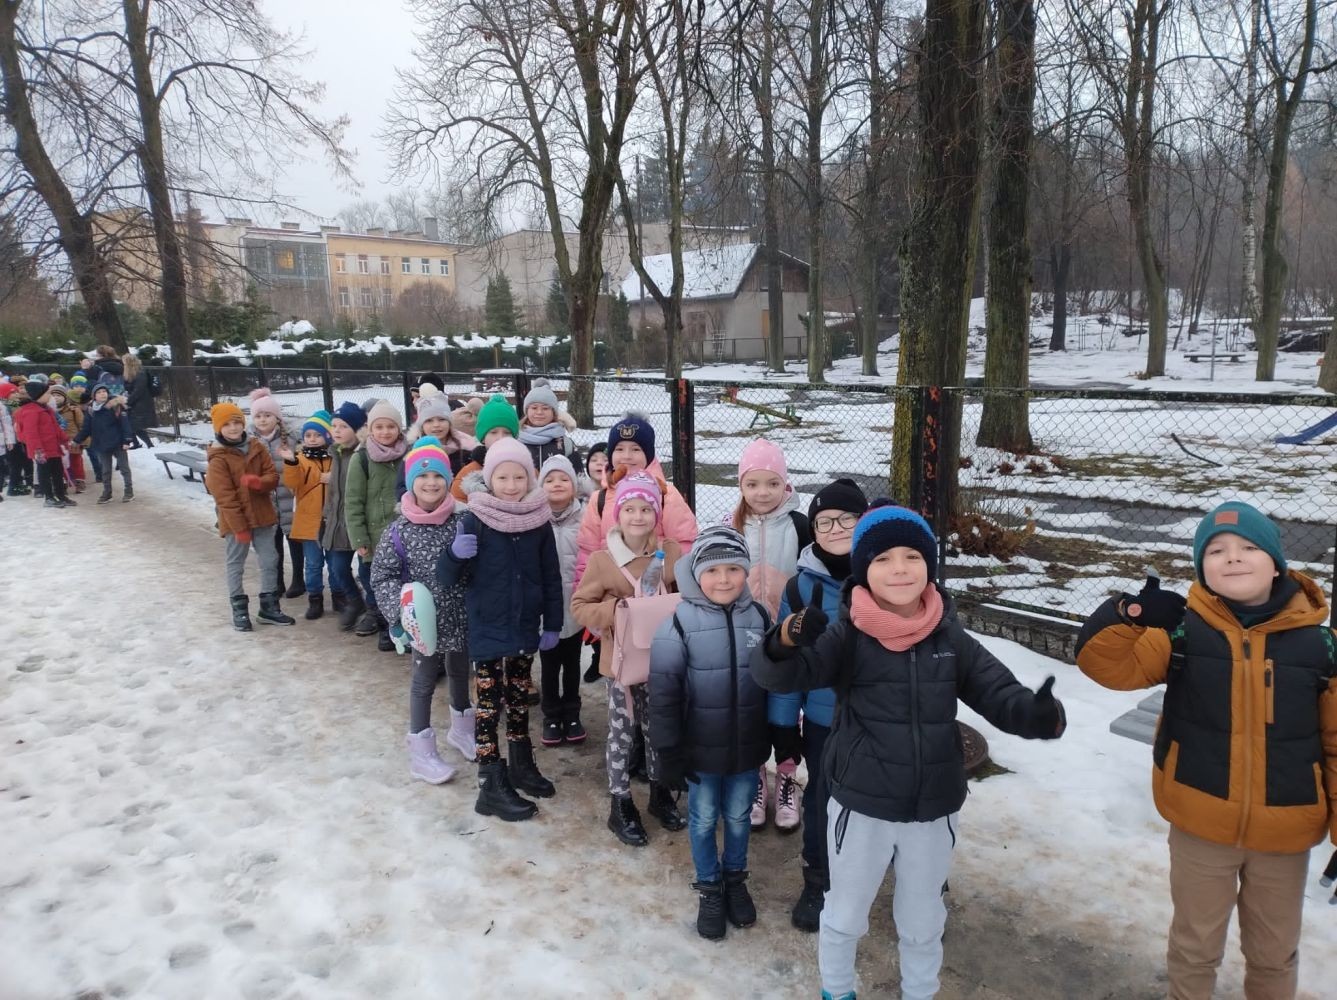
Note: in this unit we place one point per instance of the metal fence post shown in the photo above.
(213, 383)
(327, 384)
(682, 411)
(919, 447)
(521, 384)
(264, 375)
(172, 398)
(408, 395)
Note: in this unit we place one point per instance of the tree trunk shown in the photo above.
(770, 185)
(77, 237)
(1004, 422)
(1327, 376)
(874, 243)
(1249, 178)
(1060, 257)
(816, 98)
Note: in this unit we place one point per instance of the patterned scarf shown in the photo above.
(409, 507)
(510, 516)
(378, 452)
(890, 629)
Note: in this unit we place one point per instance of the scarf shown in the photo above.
(890, 629)
(316, 454)
(510, 516)
(542, 435)
(1250, 615)
(231, 444)
(378, 452)
(837, 566)
(408, 506)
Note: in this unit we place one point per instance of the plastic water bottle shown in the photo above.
(653, 574)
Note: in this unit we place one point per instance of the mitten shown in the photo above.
(673, 772)
(251, 481)
(1047, 717)
(787, 744)
(244, 537)
(547, 641)
(464, 546)
(806, 627)
(1152, 607)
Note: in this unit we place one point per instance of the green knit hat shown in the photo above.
(1239, 519)
(496, 412)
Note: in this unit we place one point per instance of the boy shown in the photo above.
(306, 475)
(1245, 758)
(36, 427)
(108, 433)
(241, 478)
(348, 419)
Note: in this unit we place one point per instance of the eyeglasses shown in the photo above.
(827, 522)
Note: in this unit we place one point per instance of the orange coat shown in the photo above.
(303, 478)
(457, 484)
(241, 508)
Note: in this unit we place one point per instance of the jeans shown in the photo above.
(364, 578)
(314, 561)
(814, 796)
(709, 798)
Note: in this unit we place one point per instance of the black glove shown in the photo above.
(673, 772)
(479, 453)
(1047, 717)
(1329, 876)
(806, 627)
(1152, 607)
(788, 745)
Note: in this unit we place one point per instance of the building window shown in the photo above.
(344, 300)
(385, 265)
(366, 298)
(426, 265)
(362, 267)
(285, 260)
(387, 297)
(405, 265)
(444, 266)
(340, 264)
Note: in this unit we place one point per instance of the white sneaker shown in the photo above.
(759, 803)
(461, 735)
(788, 802)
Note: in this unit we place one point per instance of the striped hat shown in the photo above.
(320, 422)
(426, 455)
(888, 526)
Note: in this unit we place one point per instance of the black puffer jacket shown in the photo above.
(702, 695)
(895, 751)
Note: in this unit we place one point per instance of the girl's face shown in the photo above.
(559, 490)
(510, 481)
(1237, 569)
(233, 430)
(313, 439)
(344, 435)
(723, 583)
(897, 578)
(834, 531)
(628, 455)
(597, 465)
(539, 414)
(384, 431)
(496, 434)
(265, 422)
(437, 427)
(429, 489)
(762, 491)
(636, 518)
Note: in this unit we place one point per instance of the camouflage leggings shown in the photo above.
(501, 680)
(617, 752)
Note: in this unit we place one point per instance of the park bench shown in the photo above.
(193, 461)
(1232, 356)
(1140, 723)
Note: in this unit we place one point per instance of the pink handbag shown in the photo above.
(635, 622)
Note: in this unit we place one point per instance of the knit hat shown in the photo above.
(1238, 519)
(558, 463)
(351, 414)
(79, 379)
(385, 411)
(636, 428)
(432, 406)
(762, 456)
(100, 387)
(886, 526)
(320, 423)
(7, 389)
(57, 379)
(426, 455)
(60, 390)
(599, 448)
(541, 393)
(507, 450)
(36, 387)
(716, 545)
(638, 486)
(221, 413)
(263, 401)
(841, 494)
(466, 418)
(428, 379)
(369, 403)
(496, 412)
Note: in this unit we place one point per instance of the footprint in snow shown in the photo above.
(184, 956)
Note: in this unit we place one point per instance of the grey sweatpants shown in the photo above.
(262, 540)
(859, 849)
(617, 752)
(427, 671)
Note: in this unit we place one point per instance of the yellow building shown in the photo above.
(370, 271)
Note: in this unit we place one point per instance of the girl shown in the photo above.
(36, 426)
(596, 463)
(560, 676)
(496, 420)
(372, 493)
(544, 429)
(505, 557)
(267, 428)
(346, 427)
(409, 551)
(71, 416)
(109, 434)
(434, 419)
(614, 572)
(307, 476)
(894, 765)
(139, 398)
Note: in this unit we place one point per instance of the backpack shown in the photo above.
(155, 385)
(801, 528)
(635, 622)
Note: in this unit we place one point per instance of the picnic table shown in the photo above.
(192, 460)
(1234, 357)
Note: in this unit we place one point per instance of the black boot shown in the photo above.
(271, 613)
(367, 623)
(807, 912)
(337, 602)
(525, 773)
(295, 558)
(738, 901)
(315, 607)
(710, 912)
(636, 760)
(241, 614)
(383, 641)
(497, 798)
(664, 808)
(352, 610)
(625, 821)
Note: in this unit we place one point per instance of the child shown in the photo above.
(345, 425)
(1245, 757)
(240, 477)
(560, 666)
(109, 435)
(372, 496)
(35, 425)
(708, 718)
(614, 572)
(71, 418)
(307, 475)
(504, 555)
(596, 463)
(267, 428)
(409, 552)
(496, 420)
(7, 438)
(823, 568)
(544, 429)
(893, 763)
(465, 418)
(434, 420)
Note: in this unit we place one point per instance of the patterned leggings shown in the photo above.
(506, 679)
(617, 752)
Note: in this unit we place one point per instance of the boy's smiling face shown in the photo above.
(344, 435)
(1237, 569)
(722, 583)
(313, 439)
(233, 430)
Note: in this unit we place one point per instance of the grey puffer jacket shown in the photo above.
(566, 532)
(424, 544)
(702, 696)
(283, 498)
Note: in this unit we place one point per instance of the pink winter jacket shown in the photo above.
(678, 522)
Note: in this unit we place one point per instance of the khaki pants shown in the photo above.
(1207, 881)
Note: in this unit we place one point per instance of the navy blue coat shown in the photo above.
(106, 429)
(513, 588)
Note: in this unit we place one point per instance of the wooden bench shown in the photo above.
(1232, 357)
(194, 462)
(1140, 723)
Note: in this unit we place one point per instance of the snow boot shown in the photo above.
(315, 607)
(742, 912)
(367, 623)
(759, 803)
(552, 733)
(625, 821)
(352, 610)
(241, 614)
(297, 588)
(424, 761)
(573, 731)
(788, 799)
(384, 643)
(524, 773)
(461, 735)
(337, 602)
(270, 613)
(710, 911)
(664, 807)
(807, 912)
(128, 495)
(496, 796)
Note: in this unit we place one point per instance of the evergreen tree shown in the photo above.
(556, 311)
(619, 329)
(652, 199)
(500, 318)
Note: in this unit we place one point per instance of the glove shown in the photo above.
(673, 772)
(1329, 876)
(547, 640)
(788, 746)
(251, 481)
(244, 537)
(465, 546)
(1152, 607)
(806, 627)
(1048, 718)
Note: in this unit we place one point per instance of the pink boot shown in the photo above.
(788, 798)
(424, 762)
(461, 735)
(759, 803)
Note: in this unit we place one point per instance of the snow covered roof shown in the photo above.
(715, 272)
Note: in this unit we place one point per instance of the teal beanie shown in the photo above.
(1238, 518)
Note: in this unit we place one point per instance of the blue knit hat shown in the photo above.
(320, 423)
(1240, 519)
(351, 414)
(636, 428)
(887, 526)
(426, 455)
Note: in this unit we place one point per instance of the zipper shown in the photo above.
(914, 722)
(733, 692)
(1269, 692)
(842, 824)
(1247, 742)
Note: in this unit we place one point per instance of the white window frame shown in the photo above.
(345, 300)
(443, 267)
(425, 266)
(363, 264)
(405, 265)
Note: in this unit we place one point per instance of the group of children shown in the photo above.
(821, 635)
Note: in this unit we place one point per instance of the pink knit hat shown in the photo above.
(507, 450)
(639, 486)
(262, 401)
(762, 456)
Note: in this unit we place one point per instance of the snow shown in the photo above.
(184, 807)
(708, 273)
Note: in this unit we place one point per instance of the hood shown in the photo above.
(573, 512)
(473, 483)
(1307, 607)
(112, 366)
(809, 560)
(691, 590)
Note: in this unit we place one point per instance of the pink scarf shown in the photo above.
(378, 452)
(890, 629)
(408, 506)
(511, 516)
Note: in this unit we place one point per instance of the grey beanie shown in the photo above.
(541, 393)
(718, 544)
(558, 463)
(433, 406)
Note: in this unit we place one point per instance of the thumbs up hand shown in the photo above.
(1152, 607)
(465, 546)
(1048, 715)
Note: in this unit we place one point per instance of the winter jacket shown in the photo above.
(1246, 747)
(565, 530)
(140, 398)
(560, 446)
(334, 528)
(241, 508)
(594, 601)
(818, 706)
(895, 751)
(283, 498)
(73, 416)
(39, 430)
(702, 695)
(7, 438)
(513, 588)
(457, 484)
(678, 522)
(424, 544)
(773, 542)
(372, 496)
(106, 428)
(302, 477)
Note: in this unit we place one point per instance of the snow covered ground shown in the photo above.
(190, 812)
